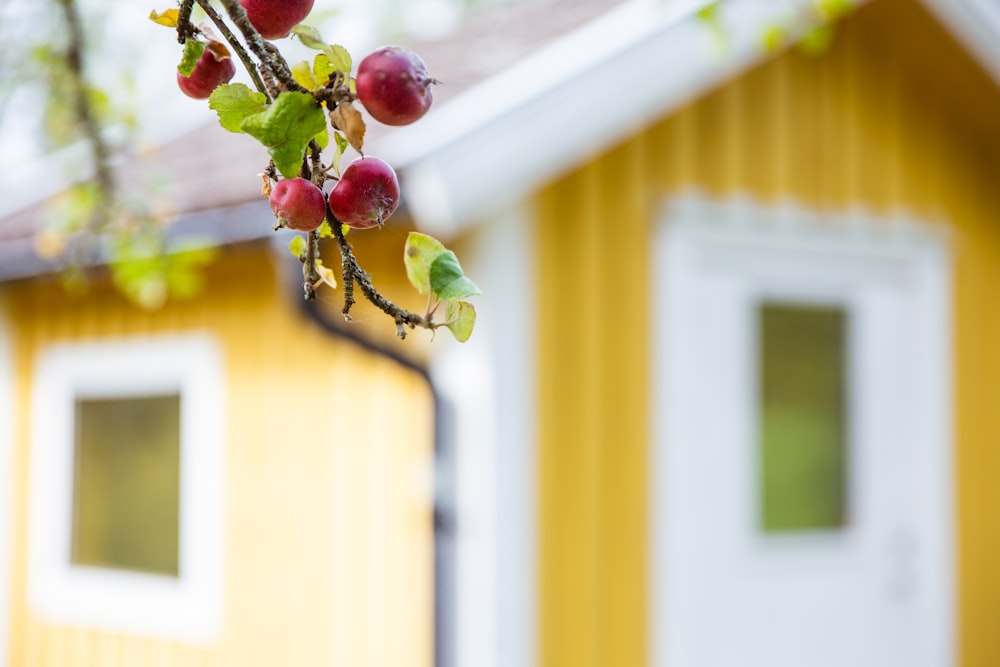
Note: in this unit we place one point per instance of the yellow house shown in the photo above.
(728, 402)
(738, 333)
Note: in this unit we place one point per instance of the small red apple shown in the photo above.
(298, 204)
(394, 86)
(209, 72)
(274, 19)
(366, 194)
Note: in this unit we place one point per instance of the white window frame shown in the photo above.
(702, 237)
(187, 607)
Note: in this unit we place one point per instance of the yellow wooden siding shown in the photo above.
(894, 117)
(328, 501)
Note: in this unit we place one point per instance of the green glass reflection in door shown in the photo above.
(803, 434)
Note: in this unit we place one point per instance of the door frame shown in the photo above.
(695, 232)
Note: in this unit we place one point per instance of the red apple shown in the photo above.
(209, 72)
(366, 194)
(298, 204)
(274, 19)
(394, 86)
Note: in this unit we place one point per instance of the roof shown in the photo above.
(516, 109)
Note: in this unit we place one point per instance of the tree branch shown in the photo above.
(185, 28)
(248, 63)
(266, 52)
(85, 113)
(354, 274)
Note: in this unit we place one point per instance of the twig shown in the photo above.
(265, 52)
(85, 112)
(185, 28)
(248, 63)
(353, 273)
(310, 275)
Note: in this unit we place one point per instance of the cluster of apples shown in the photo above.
(392, 84)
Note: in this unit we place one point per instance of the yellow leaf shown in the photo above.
(167, 18)
(348, 120)
(326, 274)
(303, 75)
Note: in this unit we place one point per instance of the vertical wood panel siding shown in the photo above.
(894, 117)
(329, 538)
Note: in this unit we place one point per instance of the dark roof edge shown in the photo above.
(228, 225)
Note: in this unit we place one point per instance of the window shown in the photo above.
(126, 489)
(802, 426)
(126, 483)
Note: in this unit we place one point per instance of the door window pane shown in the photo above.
(802, 418)
(127, 484)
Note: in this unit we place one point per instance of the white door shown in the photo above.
(802, 497)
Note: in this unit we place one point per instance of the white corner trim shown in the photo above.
(186, 608)
(570, 101)
(8, 424)
(489, 384)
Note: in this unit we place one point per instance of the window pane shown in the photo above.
(802, 418)
(127, 484)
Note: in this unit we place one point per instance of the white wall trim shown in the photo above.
(840, 256)
(186, 608)
(489, 384)
(8, 425)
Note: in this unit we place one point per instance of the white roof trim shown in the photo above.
(976, 23)
(530, 123)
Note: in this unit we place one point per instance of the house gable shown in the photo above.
(612, 77)
(891, 120)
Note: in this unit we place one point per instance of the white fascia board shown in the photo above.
(571, 100)
(976, 24)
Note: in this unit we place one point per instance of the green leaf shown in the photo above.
(834, 9)
(322, 68)
(460, 318)
(297, 246)
(341, 145)
(340, 58)
(817, 39)
(286, 128)
(774, 38)
(309, 36)
(448, 281)
(418, 255)
(192, 52)
(234, 103)
(303, 75)
(323, 139)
